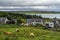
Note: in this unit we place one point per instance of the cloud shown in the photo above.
(28, 2)
(31, 8)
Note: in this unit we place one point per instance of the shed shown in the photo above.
(49, 24)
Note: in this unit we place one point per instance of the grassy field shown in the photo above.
(23, 34)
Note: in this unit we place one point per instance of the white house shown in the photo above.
(49, 24)
(40, 21)
(35, 21)
(3, 20)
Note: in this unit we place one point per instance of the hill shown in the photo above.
(23, 34)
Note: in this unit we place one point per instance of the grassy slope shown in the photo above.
(40, 34)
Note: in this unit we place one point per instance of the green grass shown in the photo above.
(40, 34)
(47, 20)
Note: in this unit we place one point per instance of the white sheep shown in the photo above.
(31, 35)
(17, 30)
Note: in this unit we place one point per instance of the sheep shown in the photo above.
(22, 24)
(17, 30)
(8, 33)
(25, 24)
(31, 35)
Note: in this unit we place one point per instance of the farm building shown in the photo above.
(3, 20)
(49, 24)
(13, 21)
(35, 21)
(56, 22)
(40, 21)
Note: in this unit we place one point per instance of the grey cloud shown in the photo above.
(50, 5)
(29, 2)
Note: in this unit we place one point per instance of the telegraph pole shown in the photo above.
(55, 24)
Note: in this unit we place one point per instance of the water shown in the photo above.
(50, 15)
(47, 15)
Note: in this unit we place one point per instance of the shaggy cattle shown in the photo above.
(8, 33)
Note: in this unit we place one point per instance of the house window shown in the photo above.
(51, 24)
(47, 25)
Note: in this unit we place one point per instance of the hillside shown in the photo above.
(23, 34)
(36, 12)
(31, 12)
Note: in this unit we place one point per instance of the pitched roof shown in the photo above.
(34, 20)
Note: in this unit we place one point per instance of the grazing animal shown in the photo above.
(22, 24)
(8, 33)
(17, 30)
(31, 35)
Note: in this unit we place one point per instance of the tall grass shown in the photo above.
(23, 34)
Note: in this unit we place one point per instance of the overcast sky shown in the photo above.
(42, 4)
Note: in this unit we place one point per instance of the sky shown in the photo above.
(48, 5)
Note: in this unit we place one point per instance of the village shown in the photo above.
(33, 20)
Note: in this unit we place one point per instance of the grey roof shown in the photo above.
(34, 20)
